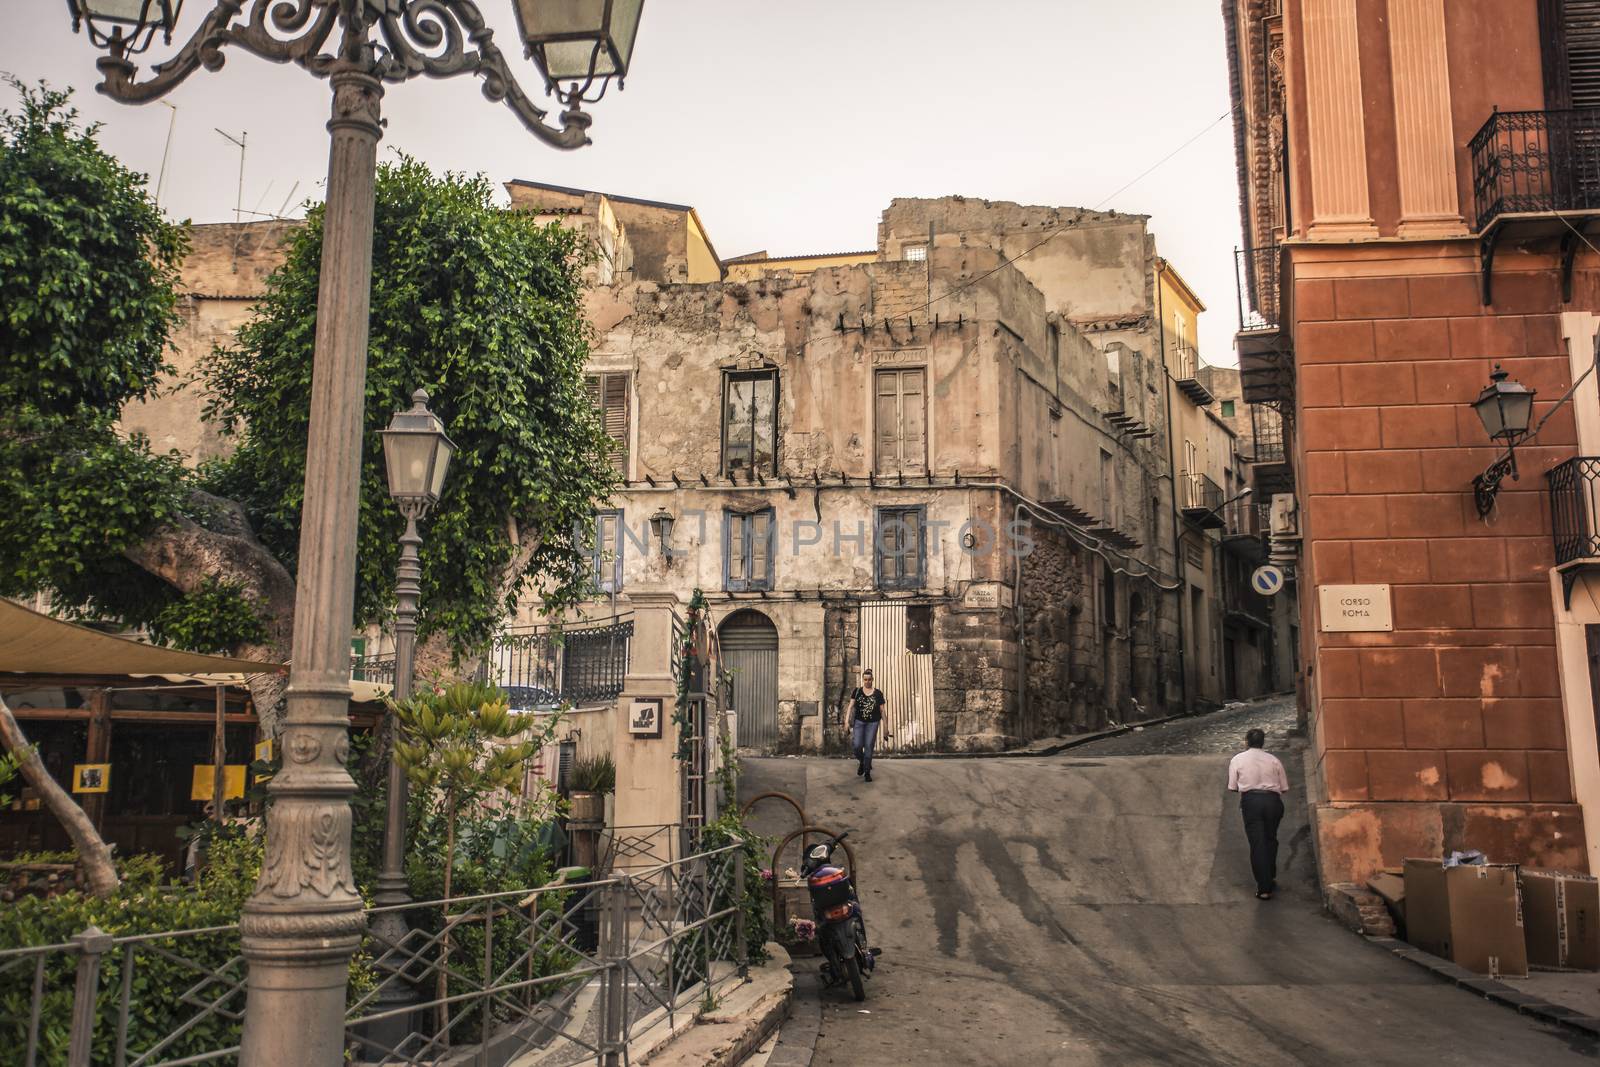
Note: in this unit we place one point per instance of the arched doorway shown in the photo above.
(749, 643)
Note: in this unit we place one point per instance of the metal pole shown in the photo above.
(219, 756)
(613, 1037)
(391, 927)
(305, 918)
(92, 944)
(741, 953)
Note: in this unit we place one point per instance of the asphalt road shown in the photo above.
(1092, 908)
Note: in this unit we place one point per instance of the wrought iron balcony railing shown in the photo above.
(1266, 435)
(1200, 498)
(542, 667)
(1536, 162)
(1256, 287)
(1574, 507)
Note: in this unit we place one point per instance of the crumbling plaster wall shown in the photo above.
(221, 278)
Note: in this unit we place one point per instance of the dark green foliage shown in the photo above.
(88, 269)
(88, 266)
(483, 308)
(140, 906)
(729, 829)
(214, 618)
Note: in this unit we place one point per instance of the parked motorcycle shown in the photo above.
(841, 930)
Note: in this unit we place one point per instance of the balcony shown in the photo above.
(582, 664)
(1574, 507)
(1186, 373)
(1533, 174)
(1266, 435)
(1245, 528)
(1266, 354)
(1200, 500)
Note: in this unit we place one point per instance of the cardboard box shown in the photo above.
(1469, 915)
(1561, 913)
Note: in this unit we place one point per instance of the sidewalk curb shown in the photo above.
(1492, 989)
(1072, 742)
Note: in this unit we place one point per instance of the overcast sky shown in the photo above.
(789, 126)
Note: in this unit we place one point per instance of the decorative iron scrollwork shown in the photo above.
(1486, 486)
(394, 40)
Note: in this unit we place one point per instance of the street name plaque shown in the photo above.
(1355, 608)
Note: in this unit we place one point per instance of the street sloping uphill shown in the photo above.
(1097, 908)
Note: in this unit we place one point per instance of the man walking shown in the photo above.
(866, 712)
(1260, 781)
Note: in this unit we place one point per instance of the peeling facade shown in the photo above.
(948, 458)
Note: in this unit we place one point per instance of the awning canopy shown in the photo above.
(37, 644)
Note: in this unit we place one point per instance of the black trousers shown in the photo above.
(1263, 810)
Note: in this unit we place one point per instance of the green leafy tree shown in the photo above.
(483, 308)
(480, 306)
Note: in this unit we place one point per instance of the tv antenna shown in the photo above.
(238, 202)
(161, 179)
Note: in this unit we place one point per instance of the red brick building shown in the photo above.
(1420, 188)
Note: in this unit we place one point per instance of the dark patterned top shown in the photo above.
(866, 707)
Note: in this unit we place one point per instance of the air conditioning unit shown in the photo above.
(1285, 516)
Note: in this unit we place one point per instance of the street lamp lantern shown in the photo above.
(132, 22)
(579, 41)
(1504, 407)
(661, 530)
(416, 453)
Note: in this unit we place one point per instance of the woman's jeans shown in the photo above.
(863, 736)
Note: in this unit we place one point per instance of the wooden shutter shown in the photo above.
(616, 416)
(1570, 39)
(1583, 52)
(900, 418)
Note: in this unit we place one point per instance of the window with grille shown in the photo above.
(750, 422)
(914, 253)
(609, 395)
(900, 415)
(748, 540)
(605, 552)
(900, 555)
(1571, 39)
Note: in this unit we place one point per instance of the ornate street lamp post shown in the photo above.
(305, 917)
(416, 454)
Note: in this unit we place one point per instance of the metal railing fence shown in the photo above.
(552, 976)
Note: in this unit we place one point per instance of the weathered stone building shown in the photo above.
(991, 376)
(948, 458)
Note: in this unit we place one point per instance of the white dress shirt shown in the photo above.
(1255, 768)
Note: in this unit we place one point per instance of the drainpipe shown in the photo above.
(1022, 626)
(1178, 565)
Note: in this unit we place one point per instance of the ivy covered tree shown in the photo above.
(481, 306)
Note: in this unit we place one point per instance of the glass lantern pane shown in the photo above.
(569, 60)
(406, 456)
(131, 11)
(625, 27)
(1518, 409)
(560, 18)
(441, 466)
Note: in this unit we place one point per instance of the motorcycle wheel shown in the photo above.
(852, 968)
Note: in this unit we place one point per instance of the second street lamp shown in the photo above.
(1505, 409)
(416, 454)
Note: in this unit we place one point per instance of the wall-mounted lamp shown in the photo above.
(661, 530)
(1505, 409)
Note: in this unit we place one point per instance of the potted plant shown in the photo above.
(590, 780)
